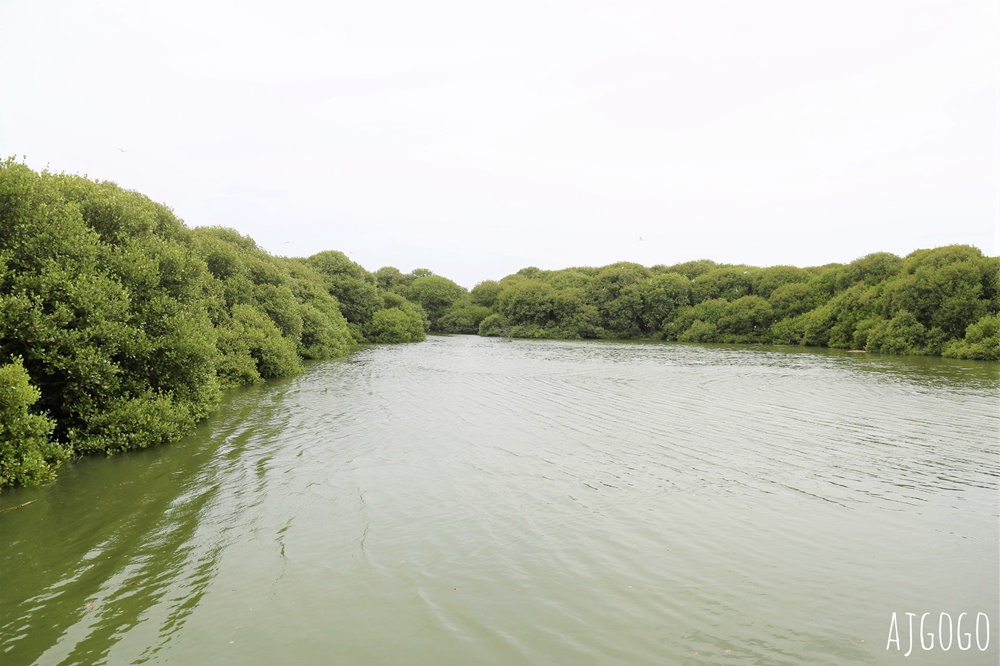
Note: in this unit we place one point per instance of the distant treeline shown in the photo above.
(120, 327)
(938, 302)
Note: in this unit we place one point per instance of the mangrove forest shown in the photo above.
(120, 327)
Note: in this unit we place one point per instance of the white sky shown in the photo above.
(477, 137)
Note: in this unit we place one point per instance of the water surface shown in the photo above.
(470, 501)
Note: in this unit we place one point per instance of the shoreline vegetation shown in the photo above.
(120, 327)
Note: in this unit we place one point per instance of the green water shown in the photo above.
(470, 501)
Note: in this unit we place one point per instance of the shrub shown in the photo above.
(902, 334)
(981, 342)
(27, 456)
(394, 325)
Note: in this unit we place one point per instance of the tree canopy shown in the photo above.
(939, 301)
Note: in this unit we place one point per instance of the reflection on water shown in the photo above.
(467, 500)
(112, 548)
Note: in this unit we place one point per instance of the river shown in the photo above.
(472, 501)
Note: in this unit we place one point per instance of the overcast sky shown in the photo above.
(477, 137)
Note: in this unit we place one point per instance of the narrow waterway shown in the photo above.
(470, 501)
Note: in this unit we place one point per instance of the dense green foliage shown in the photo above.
(941, 301)
(445, 306)
(27, 455)
(436, 295)
(120, 327)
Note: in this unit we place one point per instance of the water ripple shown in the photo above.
(472, 501)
